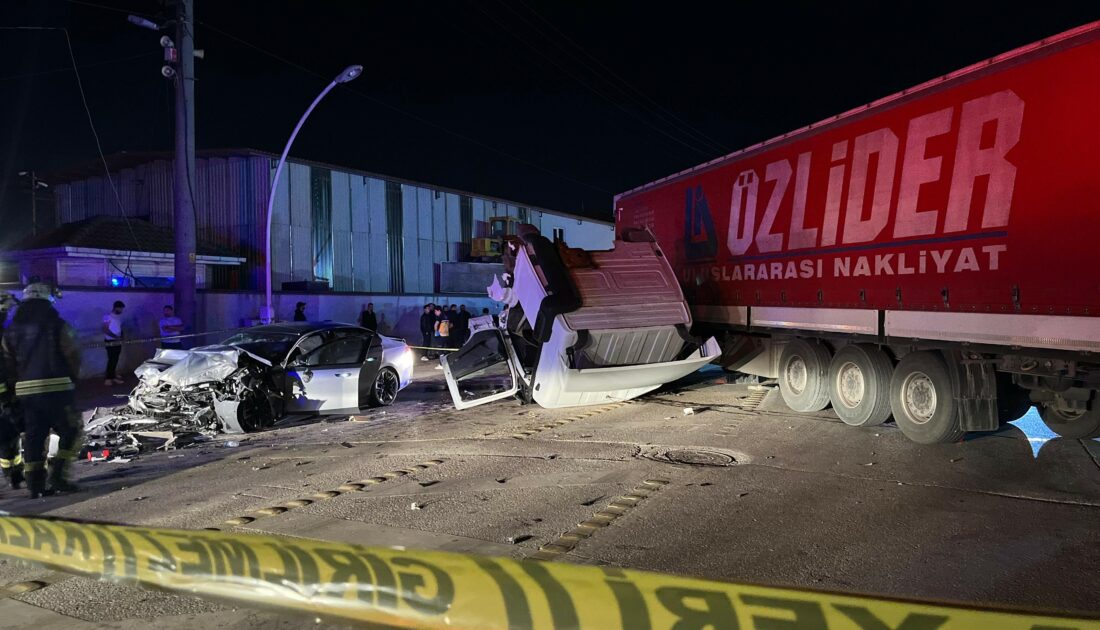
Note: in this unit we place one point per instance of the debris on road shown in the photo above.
(416, 506)
(571, 334)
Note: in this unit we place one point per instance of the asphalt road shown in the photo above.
(754, 493)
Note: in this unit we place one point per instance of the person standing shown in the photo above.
(368, 319)
(44, 360)
(170, 325)
(11, 462)
(442, 336)
(300, 312)
(427, 330)
(112, 336)
(463, 325)
(496, 319)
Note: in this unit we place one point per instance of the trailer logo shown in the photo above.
(875, 180)
(700, 239)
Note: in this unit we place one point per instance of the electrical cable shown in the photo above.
(95, 134)
(401, 111)
(587, 84)
(672, 118)
(27, 75)
(366, 96)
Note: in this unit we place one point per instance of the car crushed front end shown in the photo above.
(251, 380)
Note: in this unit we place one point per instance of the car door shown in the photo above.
(326, 379)
(368, 371)
(483, 370)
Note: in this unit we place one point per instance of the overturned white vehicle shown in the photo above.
(579, 327)
(260, 375)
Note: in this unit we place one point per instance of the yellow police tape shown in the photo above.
(419, 589)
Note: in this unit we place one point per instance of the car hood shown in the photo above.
(183, 368)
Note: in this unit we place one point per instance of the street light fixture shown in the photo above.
(267, 313)
(137, 20)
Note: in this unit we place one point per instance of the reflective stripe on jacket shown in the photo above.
(43, 386)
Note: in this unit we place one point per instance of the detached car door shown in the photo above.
(483, 370)
(327, 378)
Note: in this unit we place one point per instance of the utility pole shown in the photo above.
(35, 184)
(183, 184)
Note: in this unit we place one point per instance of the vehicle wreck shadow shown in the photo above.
(100, 478)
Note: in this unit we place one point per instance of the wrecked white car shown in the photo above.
(579, 327)
(260, 375)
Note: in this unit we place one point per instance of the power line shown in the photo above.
(109, 8)
(369, 97)
(672, 117)
(401, 111)
(588, 85)
(86, 66)
(95, 134)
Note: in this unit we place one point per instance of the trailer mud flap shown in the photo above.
(975, 383)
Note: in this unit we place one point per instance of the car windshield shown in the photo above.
(272, 346)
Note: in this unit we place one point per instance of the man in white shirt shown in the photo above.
(112, 334)
(170, 325)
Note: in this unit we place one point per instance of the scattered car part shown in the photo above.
(579, 327)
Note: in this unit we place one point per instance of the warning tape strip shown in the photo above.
(127, 342)
(427, 589)
(435, 348)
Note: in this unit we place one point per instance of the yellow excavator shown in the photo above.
(490, 248)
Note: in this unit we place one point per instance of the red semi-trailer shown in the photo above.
(933, 255)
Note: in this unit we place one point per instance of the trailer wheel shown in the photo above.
(803, 375)
(1073, 424)
(859, 385)
(923, 399)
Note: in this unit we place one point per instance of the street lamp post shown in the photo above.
(267, 313)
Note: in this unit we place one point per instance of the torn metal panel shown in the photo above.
(579, 327)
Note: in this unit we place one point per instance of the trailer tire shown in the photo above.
(1079, 426)
(859, 385)
(922, 399)
(804, 374)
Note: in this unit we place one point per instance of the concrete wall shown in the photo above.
(398, 315)
(466, 277)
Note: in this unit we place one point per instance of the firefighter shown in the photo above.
(43, 360)
(10, 459)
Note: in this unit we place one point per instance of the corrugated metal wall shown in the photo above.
(379, 236)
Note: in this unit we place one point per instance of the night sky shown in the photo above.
(556, 104)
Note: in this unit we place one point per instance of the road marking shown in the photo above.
(351, 486)
(607, 515)
(522, 435)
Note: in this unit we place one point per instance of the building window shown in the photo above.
(559, 235)
(320, 206)
(395, 228)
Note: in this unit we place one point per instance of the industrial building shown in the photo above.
(352, 230)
